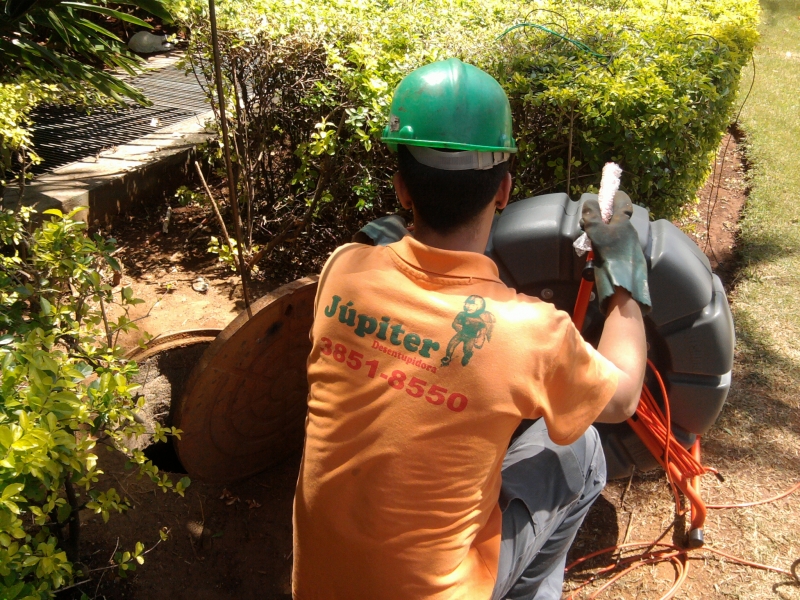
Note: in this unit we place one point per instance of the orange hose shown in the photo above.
(694, 483)
(788, 492)
(683, 469)
(678, 556)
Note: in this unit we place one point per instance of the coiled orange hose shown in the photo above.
(683, 469)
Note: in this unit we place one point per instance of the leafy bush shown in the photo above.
(17, 100)
(64, 388)
(657, 100)
(648, 83)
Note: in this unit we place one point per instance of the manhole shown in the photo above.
(245, 403)
(164, 367)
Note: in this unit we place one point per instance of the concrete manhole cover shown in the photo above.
(244, 406)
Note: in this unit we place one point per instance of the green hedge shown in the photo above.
(17, 100)
(657, 101)
(649, 84)
(65, 389)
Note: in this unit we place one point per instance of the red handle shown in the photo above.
(582, 301)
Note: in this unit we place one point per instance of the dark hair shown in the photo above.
(447, 200)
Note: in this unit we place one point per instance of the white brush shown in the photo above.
(609, 184)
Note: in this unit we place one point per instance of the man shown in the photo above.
(408, 486)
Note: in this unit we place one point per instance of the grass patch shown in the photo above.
(765, 302)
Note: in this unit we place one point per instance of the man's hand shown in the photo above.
(619, 261)
(620, 274)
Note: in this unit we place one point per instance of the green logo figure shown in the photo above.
(473, 327)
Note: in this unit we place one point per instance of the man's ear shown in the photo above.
(503, 193)
(402, 191)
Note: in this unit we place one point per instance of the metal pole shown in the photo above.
(243, 272)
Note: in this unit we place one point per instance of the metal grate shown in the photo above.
(170, 87)
(62, 134)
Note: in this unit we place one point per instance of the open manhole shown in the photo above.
(244, 405)
(238, 395)
(165, 364)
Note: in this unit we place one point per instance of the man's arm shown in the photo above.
(623, 343)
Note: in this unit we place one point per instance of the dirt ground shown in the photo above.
(714, 223)
(235, 541)
(161, 269)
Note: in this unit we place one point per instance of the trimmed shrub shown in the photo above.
(17, 100)
(656, 97)
(649, 84)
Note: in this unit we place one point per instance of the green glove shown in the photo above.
(618, 257)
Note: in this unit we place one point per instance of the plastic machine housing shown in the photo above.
(690, 331)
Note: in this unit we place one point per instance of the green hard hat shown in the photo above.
(451, 105)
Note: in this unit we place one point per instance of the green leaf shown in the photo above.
(64, 513)
(154, 7)
(109, 13)
(58, 26)
(12, 490)
(46, 307)
(12, 506)
(87, 24)
(6, 437)
(40, 52)
(13, 591)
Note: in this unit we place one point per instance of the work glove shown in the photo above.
(618, 257)
(382, 231)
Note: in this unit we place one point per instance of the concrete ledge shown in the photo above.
(148, 168)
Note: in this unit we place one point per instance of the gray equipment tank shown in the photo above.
(690, 331)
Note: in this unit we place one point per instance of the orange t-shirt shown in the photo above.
(423, 364)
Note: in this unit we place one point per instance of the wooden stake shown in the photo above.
(216, 207)
(237, 224)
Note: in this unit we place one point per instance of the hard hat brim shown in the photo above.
(392, 141)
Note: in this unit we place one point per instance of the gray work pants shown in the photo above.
(547, 491)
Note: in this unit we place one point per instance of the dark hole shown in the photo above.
(164, 457)
(289, 310)
(175, 365)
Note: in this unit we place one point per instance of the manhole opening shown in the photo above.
(165, 457)
(163, 379)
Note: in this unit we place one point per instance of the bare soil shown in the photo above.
(161, 268)
(235, 541)
(713, 224)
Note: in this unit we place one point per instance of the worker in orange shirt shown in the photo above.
(455, 465)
